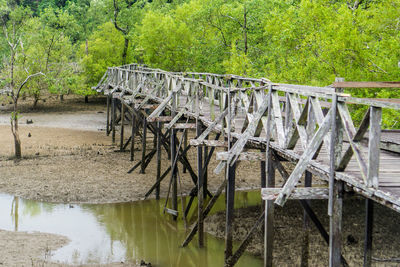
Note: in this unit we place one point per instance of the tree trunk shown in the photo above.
(15, 132)
(125, 52)
(35, 101)
(61, 98)
(86, 99)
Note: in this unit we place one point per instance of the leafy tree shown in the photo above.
(105, 47)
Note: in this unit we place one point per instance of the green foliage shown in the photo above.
(105, 50)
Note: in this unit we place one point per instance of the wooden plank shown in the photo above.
(298, 193)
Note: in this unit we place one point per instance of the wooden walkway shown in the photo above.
(301, 124)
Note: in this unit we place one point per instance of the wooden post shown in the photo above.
(200, 188)
(121, 141)
(205, 171)
(230, 202)
(335, 226)
(108, 116)
(113, 117)
(269, 217)
(159, 127)
(185, 143)
(173, 156)
(144, 137)
(369, 223)
(133, 132)
(374, 146)
(306, 226)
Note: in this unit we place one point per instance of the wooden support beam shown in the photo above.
(144, 141)
(369, 225)
(174, 157)
(251, 156)
(133, 133)
(108, 116)
(335, 226)
(182, 126)
(269, 216)
(121, 140)
(298, 193)
(160, 119)
(374, 147)
(205, 212)
(113, 118)
(210, 143)
(151, 154)
(249, 237)
(158, 176)
(200, 188)
(157, 184)
(230, 201)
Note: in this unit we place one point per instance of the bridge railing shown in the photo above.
(287, 117)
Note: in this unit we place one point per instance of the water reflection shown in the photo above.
(118, 232)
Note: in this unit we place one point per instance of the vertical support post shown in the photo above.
(200, 188)
(269, 204)
(335, 197)
(185, 143)
(374, 146)
(369, 223)
(269, 217)
(113, 117)
(230, 202)
(305, 253)
(108, 116)
(230, 189)
(173, 156)
(144, 137)
(205, 171)
(121, 141)
(133, 132)
(159, 125)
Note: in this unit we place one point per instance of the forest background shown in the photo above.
(71, 43)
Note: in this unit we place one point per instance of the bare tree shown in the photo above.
(11, 29)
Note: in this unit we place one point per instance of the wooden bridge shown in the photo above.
(310, 126)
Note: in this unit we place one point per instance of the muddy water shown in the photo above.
(119, 232)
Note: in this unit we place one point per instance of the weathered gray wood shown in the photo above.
(212, 126)
(158, 147)
(304, 160)
(250, 156)
(160, 119)
(179, 115)
(374, 147)
(298, 193)
(133, 133)
(113, 118)
(346, 119)
(335, 226)
(121, 140)
(108, 116)
(160, 108)
(211, 143)
(200, 188)
(351, 133)
(182, 126)
(269, 216)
